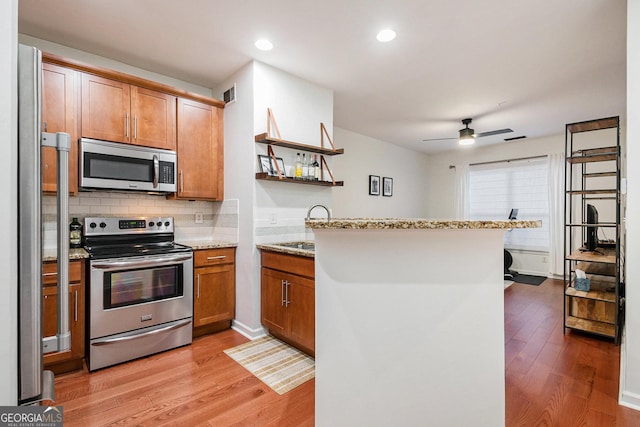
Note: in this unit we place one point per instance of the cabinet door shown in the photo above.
(302, 311)
(274, 314)
(76, 321)
(200, 151)
(154, 118)
(59, 114)
(105, 109)
(214, 296)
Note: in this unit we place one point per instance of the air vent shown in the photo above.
(229, 95)
(515, 137)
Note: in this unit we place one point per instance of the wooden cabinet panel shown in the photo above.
(302, 311)
(274, 314)
(200, 151)
(214, 298)
(207, 257)
(105, 109)
(72, 358)
(154, 118)
(59, 114)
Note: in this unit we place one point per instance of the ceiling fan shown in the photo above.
(468, 135)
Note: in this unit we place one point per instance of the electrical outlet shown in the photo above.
(274, 218)
(199, 219)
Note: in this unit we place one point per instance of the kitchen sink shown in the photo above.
(307, 246)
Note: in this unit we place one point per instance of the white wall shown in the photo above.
(89, 58)
(364, 156)
(8, 193)
(630, 352)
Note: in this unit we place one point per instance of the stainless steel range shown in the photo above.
(140, 289)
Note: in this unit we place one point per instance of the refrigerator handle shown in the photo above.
(62, 143)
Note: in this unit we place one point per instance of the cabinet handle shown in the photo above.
(181, 181)
(198, 286)
(45, 127)
(212, 258)
(287, 294)
(49, 274)
(135, 126)
(126, 125)
(283, 301)
(75, 309)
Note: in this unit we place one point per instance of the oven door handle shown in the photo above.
(145, 334)
(153, 262)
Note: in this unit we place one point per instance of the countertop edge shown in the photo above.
(285, 250)
(416, 224)
(208, 245)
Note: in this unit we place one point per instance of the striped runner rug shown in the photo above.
(275, 363)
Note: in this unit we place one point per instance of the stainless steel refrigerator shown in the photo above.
(35, 384)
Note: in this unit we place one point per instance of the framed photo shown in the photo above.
(387, 186)
(267, 165)
(374, 185)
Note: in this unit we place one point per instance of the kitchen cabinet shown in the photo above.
(288, 298)
(200, 151)
(117, 111)
(214, 293)
(60, 91)
(69, 360)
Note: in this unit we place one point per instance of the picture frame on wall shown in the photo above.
(387, 186)
(268, 166)
(374, 185)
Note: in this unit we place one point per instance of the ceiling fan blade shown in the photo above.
(494, 132)
(436, 139)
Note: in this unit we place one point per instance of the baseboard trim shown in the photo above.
(248, 332)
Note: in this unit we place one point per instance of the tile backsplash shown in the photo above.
(220, 219)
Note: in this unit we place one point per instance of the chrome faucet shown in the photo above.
(316, 206)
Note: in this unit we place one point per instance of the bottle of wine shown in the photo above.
(75, 233)
(316, 168)
(305, 167)
(298, 174)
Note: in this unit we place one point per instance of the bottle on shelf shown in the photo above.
(298, 173)
(75, 233)
(316, 168)
(305, 167)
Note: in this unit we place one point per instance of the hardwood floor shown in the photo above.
(552, 379)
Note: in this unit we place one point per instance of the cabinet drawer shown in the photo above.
(50, 273)
(205, 257)
(300, 265)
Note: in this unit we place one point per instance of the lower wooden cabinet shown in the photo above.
(69, 360)
(214, 290)
(288, 299)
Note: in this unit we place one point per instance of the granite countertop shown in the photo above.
(207, 244)
(74, 253)
(416, 224)
(275, 247)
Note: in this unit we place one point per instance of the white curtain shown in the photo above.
(556, 213)
(462, 191)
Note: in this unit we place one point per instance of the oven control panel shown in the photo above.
(101, 226)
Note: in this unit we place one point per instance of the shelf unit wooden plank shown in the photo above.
(586, 224)
(605, 256)
(599, 191)
(609, 297)
(264, 176)
(592, 326)
(598, 269)
(263, 138)
(592, 158)
(599, 174)
(606, 123)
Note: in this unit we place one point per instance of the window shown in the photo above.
(496, 188)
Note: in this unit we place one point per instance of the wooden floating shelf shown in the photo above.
(264, 176)
(609, 257)
(263, 138)
(592, 326)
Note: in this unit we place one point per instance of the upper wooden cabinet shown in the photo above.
(200, 151)
(59, 114)
(120, 112)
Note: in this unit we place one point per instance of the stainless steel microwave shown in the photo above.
(114, 166)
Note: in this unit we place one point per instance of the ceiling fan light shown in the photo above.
(466, 140)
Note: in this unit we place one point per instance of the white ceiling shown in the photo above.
(529, 65)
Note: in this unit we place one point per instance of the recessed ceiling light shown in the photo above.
(264, 44)
(386, 35)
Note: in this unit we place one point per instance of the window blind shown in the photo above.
(496, 188)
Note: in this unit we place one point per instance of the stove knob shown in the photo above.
(167, 223)
(93, 225)
(103, 225)
(151, 224)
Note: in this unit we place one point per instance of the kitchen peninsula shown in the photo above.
(410, 321)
